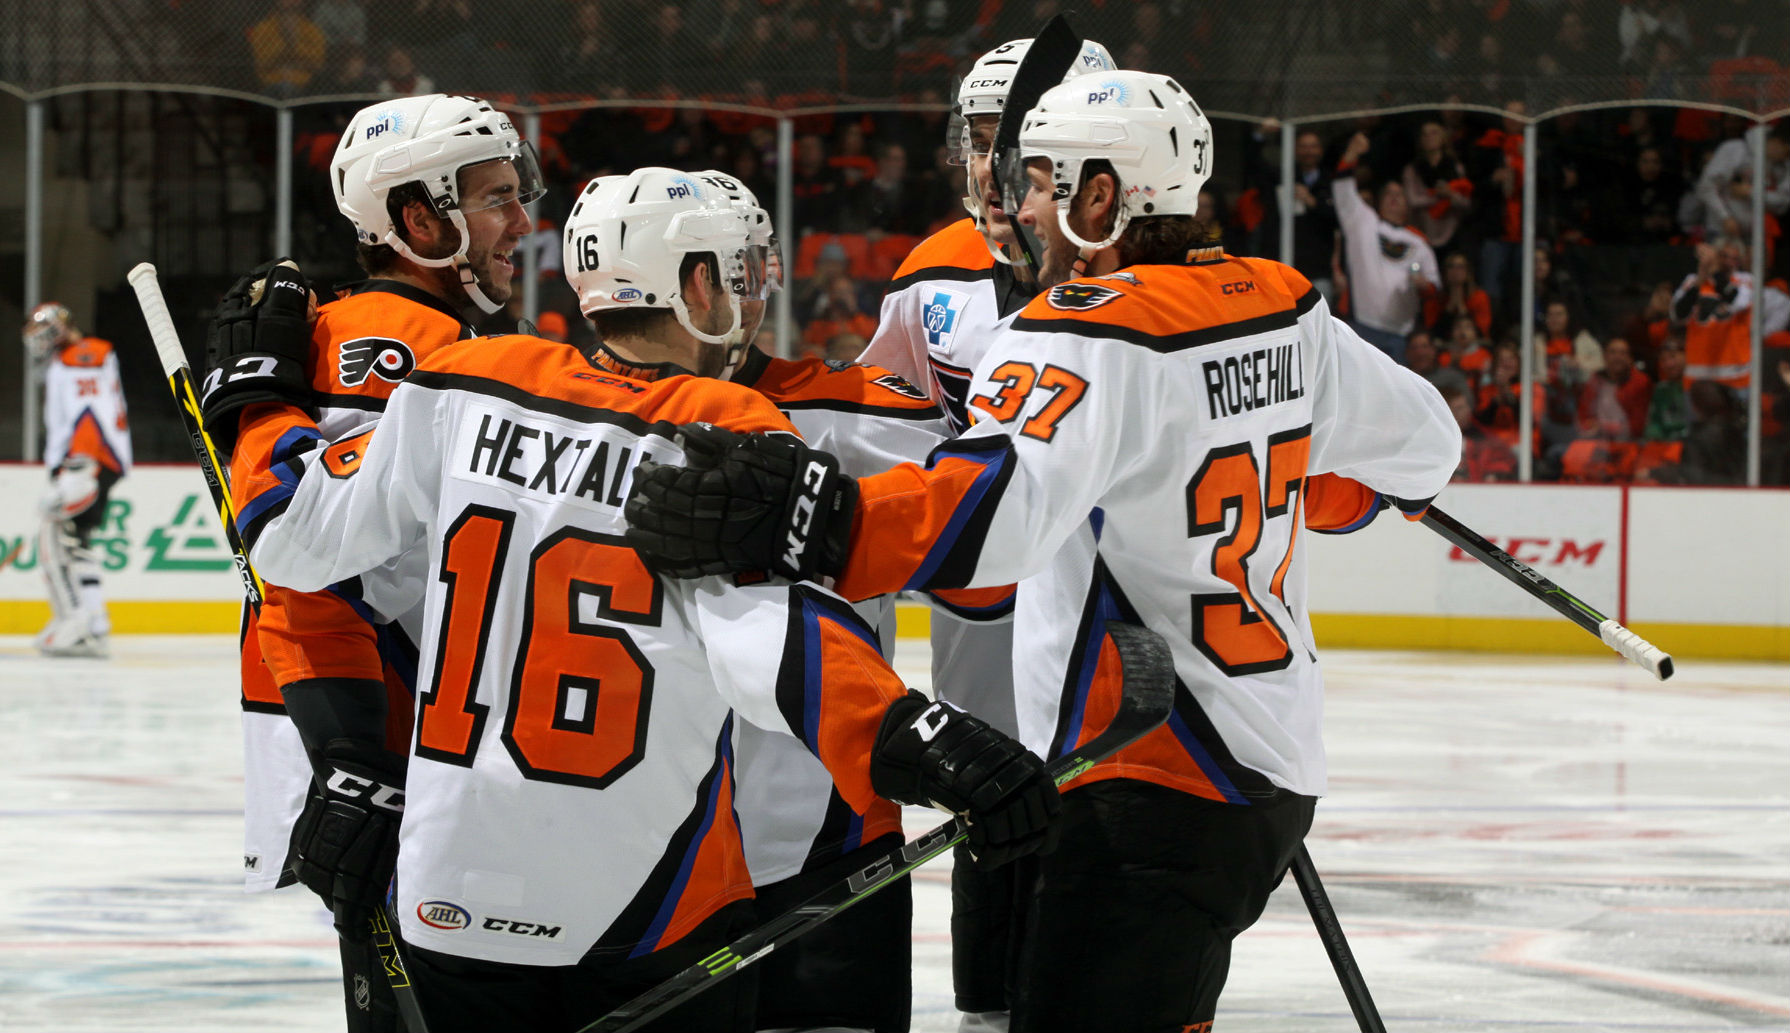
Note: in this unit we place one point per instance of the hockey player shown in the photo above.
(435, 187)
(1148, 431)
(569, 837)
(938, 315)
(87, 448)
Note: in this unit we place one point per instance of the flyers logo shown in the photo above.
(1079, 297)
(391, 360)
(899, 385)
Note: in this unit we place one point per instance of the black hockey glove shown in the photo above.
(257, 348)
(744, 503)
(937, 754)
(345, 843)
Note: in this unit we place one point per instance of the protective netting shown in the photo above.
(1286, 59)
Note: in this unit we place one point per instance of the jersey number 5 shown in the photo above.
(1230, 491)
(579, 692)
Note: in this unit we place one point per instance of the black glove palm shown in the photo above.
(744, 503)
(257, 348)
(936, 753)
(345, 844)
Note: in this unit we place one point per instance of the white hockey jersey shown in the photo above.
(570, 781)
(1144, 454)
(84, 408)
(939, 315)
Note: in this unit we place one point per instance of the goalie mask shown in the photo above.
(1144, 125)
(984, 92)
(431, 141)
(628, 235)
(49, 327)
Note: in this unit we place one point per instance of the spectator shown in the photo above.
(1460, 296)
(1572, 354)
(1640, 21)
(1495, 165)
(1726, 186)
(1390, 265)
(348, 73)
(288, 48)
(817, 187)
(590, 54)
(1314, 210)
(886, 202)
(341, 21)
(851, 156)
(1644, 208)
(1466, 351)
(1668, 411)
(1714, 305)
(1437, 188)
(838, 311)
(1647, 330)
(1420, 354)
(1484, 456)
(1554, 283)
(1500, 398)
(1613, 404)
(401, 77)
(1715, 446)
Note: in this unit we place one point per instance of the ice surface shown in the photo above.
(1511, 843)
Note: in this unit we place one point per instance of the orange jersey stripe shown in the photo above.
(957, 246)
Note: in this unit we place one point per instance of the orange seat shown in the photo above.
(887, 254)
(857, 253)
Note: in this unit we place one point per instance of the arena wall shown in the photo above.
(1702, 572)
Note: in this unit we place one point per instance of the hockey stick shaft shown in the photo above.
(1630, 645)
(1147, 698)
(1342, 959)
(180, 381)
(168, 349)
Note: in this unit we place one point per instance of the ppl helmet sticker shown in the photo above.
(1111, 91)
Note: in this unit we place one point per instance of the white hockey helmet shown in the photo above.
(984, 90)
(47, 328)
(627, 237)
(764, 232)
(426, 140)
(1156, 138)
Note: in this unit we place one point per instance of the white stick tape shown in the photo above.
(155, 313)
(1636, 648)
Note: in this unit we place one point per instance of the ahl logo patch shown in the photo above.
(391, 359)
(939, 316)
(1079, 297)
(441, 914)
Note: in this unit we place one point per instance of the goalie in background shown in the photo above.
(87, 448)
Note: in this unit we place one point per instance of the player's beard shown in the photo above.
(496, 278)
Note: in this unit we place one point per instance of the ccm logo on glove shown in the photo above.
(353, 786)
(812, 478)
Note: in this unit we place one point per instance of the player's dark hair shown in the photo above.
(377, 259)
(646, 322)
(1153, 239)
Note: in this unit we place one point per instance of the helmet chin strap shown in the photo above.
(1087, 249)
(978, 210)
(734, 337)
(469, 280)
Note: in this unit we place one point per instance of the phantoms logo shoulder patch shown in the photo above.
(385, 357)
(1079, 297)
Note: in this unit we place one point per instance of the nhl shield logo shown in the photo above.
(382, 356)
(939, 316)
(1079, 297)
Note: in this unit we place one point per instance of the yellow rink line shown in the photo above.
(1334, 631)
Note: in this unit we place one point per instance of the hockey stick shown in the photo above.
(1614, 635)
(1145, 701)
(1354, 987)
(180, 381)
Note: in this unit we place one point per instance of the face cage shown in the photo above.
(41, 338)
(957, 139)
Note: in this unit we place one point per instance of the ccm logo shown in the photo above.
(355, 787)
(797, 541)
(1237, 287)
(505, 925)
(1541, 551)
(439, 914)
